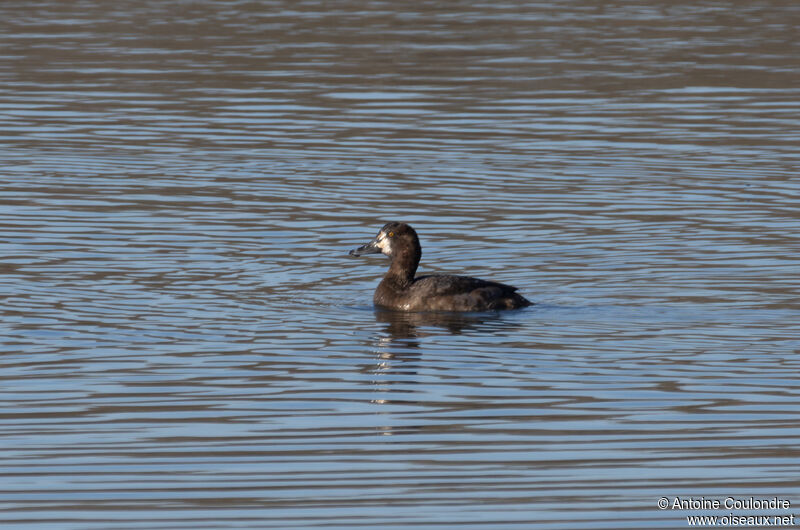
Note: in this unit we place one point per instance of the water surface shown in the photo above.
(186, 343)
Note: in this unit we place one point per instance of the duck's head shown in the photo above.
(393, 239)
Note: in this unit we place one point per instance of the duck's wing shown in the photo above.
(448, 285)
(464, 293)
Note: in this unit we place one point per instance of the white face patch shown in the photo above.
(384, 243)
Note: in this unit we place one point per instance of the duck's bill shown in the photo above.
(370, 248)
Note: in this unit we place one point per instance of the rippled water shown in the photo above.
(186, 343)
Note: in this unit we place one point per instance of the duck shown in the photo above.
(401, 290)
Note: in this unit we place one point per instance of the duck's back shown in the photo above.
(440, 292)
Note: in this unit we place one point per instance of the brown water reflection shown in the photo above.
(186, 345)
(401, 325)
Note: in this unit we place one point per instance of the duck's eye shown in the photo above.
(391, 234)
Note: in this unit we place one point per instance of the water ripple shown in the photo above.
(186, 343)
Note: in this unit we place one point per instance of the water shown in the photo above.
(186, 344)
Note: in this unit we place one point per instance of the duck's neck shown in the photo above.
(402, 269)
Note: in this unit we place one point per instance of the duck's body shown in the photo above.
(442, 292)
(400, 290)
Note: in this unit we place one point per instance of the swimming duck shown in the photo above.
(400, 290)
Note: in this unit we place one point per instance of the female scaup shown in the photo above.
(400, 290)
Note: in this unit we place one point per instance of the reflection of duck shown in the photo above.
(400, 290)
(399, 356)
(405, 325)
